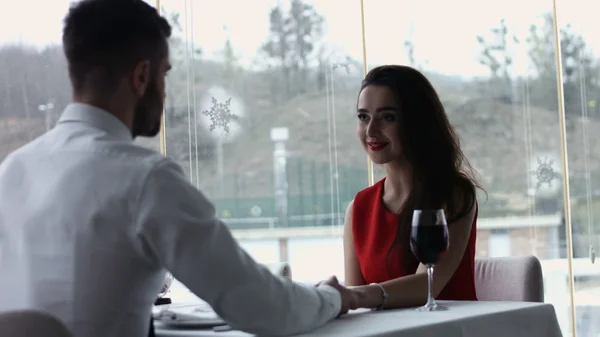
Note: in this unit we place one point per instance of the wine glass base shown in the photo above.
(432, 307)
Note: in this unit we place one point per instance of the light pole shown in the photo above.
(279, 136)
(220, 166)
(46, 109)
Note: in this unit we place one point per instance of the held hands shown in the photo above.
(349, 296)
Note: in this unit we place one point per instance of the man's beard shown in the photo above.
(148, 113)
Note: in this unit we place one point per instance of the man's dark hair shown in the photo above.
(104, 39)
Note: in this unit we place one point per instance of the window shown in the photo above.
(497, 78)
(260, 114)
(34, 86)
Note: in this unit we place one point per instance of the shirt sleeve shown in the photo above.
(178, 227)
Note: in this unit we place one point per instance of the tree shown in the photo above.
(293, 37)
(278, 46)
(409, 47)
(410, 52)
(496, 55)
(230, 61)
(580, 68)
(307, 27)
(30, 77)
(34, 89)
(334, 62)
(184, 57)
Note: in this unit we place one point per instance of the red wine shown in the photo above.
(429, 242)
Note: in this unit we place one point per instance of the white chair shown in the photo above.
(30, 323)
(509, 279)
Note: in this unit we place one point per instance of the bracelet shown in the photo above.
(385, 296)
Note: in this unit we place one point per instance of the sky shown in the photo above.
(444, 32)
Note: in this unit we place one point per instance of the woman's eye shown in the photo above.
(363, 117)
(389, 118)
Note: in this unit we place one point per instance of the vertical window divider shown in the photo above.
(162, 134)
(565, 166)
(370, 177)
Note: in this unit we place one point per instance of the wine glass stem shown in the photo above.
(430, 300)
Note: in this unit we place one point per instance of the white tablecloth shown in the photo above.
(464, 319)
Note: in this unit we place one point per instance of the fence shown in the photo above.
(313, 189)
(311, 220)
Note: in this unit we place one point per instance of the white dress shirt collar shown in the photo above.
(96, 117)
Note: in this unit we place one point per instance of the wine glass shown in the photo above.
(429, 241)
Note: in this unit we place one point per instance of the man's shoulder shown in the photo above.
(147, 159)
(143, 155)
(21, 151)
(127, 156)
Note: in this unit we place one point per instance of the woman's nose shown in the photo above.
(372, 128)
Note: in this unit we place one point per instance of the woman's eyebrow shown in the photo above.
(384, 108)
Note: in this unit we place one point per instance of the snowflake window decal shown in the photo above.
(220, 115)
(545, 173)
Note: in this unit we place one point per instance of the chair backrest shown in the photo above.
(509, 279)
(30, 323)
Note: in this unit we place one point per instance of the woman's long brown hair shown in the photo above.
(442, 176)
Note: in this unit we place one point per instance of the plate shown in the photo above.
(192, 324)
(187, 316)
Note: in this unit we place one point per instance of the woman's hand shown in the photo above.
(368, 296)
(365, 296)
(350, 297)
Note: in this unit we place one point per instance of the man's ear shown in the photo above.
(141, 78)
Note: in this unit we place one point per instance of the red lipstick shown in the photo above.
(377, 146)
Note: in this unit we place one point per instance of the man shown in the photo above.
(89, 222)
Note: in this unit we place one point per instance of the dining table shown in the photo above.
(462, 319)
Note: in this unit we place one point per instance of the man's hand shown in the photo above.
(349, 297)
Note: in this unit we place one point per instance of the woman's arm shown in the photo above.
(409, 291)
(353, 275)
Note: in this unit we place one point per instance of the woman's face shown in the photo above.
(378, 129)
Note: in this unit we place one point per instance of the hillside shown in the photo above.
(496, 137)
(493, 136)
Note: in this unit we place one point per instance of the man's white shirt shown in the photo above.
(90, 222)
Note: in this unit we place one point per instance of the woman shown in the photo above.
(402, 125)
